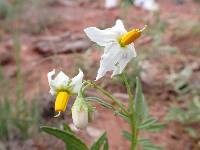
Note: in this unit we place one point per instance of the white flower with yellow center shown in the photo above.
(62, 87)
(119, 47)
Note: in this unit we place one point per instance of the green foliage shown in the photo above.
(4, 9)
(180, 81)
(147, 145)
(143, 120)
(158, 28)
(140, 106)
(151, 124)
(18, 119)
(10, 9)
(74, 143)
(126, 3)
(4, 118)
(188, 115)
(102, 141)
(71, 141)
(18, 116)
(127, 135)
(12, 12)
(67, 128)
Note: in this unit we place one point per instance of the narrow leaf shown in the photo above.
(147, 123)
(156, 127)
(70, 140)
(140, 106)
(147, 145)
(106, 146)
(97, 145)
(67, 128)
(127, 135)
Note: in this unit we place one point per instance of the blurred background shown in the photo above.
(37, 36)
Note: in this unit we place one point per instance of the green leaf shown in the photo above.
(155, 127)
(97, 145)
(123, 116)
(147, 123)
(147, 145)
(192, 132)
(67, 128)
(127, 135)
(106, 146)
(151, 124)
(71, 141)
(140, 106)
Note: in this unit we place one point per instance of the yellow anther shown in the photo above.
(61, 102)
(131, 36)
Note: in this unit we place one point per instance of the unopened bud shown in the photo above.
(80, 113)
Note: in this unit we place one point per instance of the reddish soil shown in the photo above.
(77, 16)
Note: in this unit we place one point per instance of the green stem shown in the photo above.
(131, 98)
(131, 109)
(106, 93)
(109, 106)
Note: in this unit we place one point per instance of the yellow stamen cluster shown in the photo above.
(130, 36)
(61, 101)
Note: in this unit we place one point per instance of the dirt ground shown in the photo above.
(43, 51)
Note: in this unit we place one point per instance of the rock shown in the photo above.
(150, 72)
(65, 43)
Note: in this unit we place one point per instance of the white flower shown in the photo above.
(149, 5)
(63, 88)
(80, 112)
(62, 82)
(117, 53)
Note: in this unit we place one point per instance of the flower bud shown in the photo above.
(80, 113)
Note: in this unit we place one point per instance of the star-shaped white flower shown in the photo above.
(63, 83)
(119, 49)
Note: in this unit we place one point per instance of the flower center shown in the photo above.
(62, 99)
(130, 36)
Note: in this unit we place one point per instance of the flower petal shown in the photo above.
(128, 53)
(49, 75)
(77, 82)
(118, 28)
(61, 80)
(109, 59)
(101, 37)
